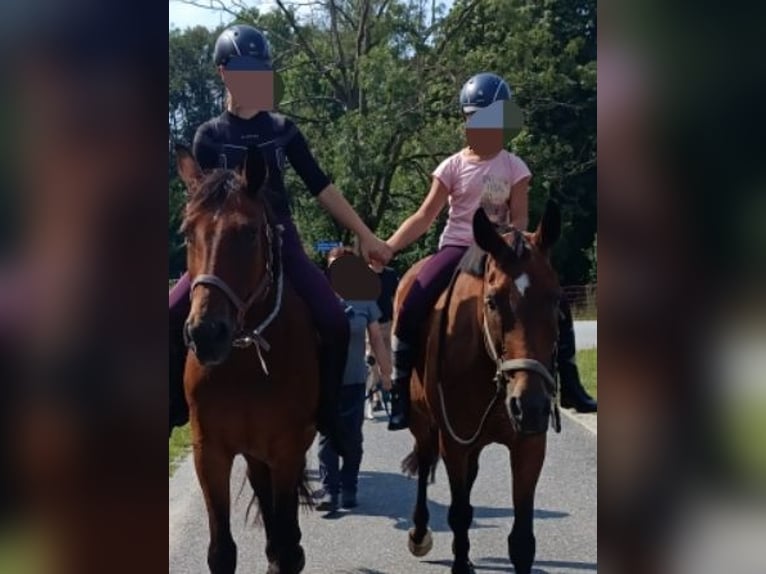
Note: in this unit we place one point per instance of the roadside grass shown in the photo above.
(585, 312)
(178, 446)
(587, 364)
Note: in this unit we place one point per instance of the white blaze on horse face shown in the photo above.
(522, 283)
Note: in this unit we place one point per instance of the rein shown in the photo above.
(503, 372)
(254, 337)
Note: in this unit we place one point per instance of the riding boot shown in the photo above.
(403, 358)
(332, 361)
(573, 395)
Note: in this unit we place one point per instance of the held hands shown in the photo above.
(374, 249)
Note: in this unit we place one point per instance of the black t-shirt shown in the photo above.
(223, 141)
(389, 281)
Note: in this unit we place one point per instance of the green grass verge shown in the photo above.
(587, 364)
(743, 423)
(178, 446)
(22, 552)
(588, 313)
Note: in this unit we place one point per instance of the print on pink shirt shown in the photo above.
(494, 198)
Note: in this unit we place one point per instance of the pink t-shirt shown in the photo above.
(472, 184)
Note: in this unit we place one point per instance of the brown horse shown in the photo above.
(484, 375)
(240, 387)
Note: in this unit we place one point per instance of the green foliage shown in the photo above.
(373, 85)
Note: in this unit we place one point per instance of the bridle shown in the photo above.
(504, 370)
(254, 337)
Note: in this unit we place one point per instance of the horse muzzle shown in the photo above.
(210, 340)
(529, 416)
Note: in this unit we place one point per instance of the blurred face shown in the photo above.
(489, 129)
(250, 89)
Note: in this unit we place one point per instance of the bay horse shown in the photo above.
(484, 375)
(239, 403)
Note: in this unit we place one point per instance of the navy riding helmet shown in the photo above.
(482, 90)
(242, 40)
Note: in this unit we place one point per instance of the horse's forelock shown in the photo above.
(213, 192)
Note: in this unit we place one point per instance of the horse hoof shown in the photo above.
(420, 550)
(294, 566)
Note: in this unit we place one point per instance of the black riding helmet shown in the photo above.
(482, 90)
(242, 40)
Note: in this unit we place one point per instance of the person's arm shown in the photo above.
(338, 206)
(518, 203)
(381, 354)
(320, 186)
(419, 222)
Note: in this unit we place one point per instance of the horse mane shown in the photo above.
(215, 190)
(474, 261)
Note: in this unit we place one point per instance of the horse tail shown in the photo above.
(411, 465)
(258, 520)
(305, 499)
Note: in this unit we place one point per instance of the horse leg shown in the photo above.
(259, 475)
(286, 479)
(460, 513)
(527, 455)
(425, 456)
(213, 466)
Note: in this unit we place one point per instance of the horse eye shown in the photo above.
(491, 302)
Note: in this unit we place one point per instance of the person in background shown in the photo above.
(339, 483)
(389, 283)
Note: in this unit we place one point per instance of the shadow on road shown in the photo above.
(497, 565)
(389, 495)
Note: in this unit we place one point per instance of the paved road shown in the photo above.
(585, 334)
(372, 538)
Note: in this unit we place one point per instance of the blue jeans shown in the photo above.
(333, 477)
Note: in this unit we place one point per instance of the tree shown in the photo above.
(373, 85)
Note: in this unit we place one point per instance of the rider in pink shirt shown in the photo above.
(495, 180)
(498, 184)
(477, 176)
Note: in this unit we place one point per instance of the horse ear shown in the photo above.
(255, 170)
(486, 235)
(188, 169)
(549, 228)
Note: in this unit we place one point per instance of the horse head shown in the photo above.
(230, 250)
(520, 315)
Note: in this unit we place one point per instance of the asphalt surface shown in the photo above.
(372, 539)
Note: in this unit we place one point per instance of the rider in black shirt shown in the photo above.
(221, 143)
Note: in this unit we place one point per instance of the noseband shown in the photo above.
(507, 367)
(254, 337)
